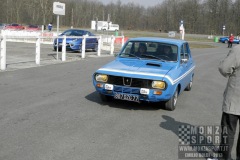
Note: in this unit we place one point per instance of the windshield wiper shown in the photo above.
(152, 56)
(133, 55)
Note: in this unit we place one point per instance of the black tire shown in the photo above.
(171, 104)
(59, 49)
(189, 86)
(105, 98)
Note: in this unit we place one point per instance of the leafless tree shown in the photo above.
(199, 16)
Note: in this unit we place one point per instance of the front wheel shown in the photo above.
(171, 104)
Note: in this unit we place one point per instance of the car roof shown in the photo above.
(158, 39)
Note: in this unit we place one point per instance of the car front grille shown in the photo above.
(130, 90)
(130, 82)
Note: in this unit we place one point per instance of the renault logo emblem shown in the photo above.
(127, 81)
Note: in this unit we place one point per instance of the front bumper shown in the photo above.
(153, 95)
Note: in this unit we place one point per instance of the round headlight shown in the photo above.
(101, 78)
(158, 84)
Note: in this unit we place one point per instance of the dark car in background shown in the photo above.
(75, 44)
(225, 40)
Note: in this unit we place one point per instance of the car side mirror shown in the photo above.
(184, 60)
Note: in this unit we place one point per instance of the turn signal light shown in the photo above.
(99, 85)
(157, 92)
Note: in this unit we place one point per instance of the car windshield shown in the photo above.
(73, 33)
(150, 50)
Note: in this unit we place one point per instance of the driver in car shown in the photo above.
(142, 49)
(168, 54)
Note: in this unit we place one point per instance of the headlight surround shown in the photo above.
(158, 84)
(101, 77)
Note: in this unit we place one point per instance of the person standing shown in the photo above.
(50, 27)
(230, 40)
(230, 68)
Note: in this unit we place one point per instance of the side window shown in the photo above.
(68, 33)
(185, 51)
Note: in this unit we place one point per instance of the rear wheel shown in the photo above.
(171, 104)
(189, 86)
(59, 49)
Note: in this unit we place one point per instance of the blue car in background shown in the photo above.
(147, 69)
(75, 44)
(225, 40)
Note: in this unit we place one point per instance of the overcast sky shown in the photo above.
(146, 3)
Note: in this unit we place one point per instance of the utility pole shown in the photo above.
(224, 29)
(72, 19)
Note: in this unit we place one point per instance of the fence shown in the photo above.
(104, 43)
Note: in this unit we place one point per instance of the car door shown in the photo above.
(186, 65)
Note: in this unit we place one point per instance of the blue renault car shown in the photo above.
(147, 69)
(75, 44)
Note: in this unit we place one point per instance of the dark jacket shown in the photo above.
(230, 68)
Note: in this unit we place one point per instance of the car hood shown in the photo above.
(145, 69)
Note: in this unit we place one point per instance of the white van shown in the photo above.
(104, 25)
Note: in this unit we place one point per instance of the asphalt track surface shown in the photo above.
(52, 112)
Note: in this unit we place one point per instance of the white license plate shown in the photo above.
(127, 97)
